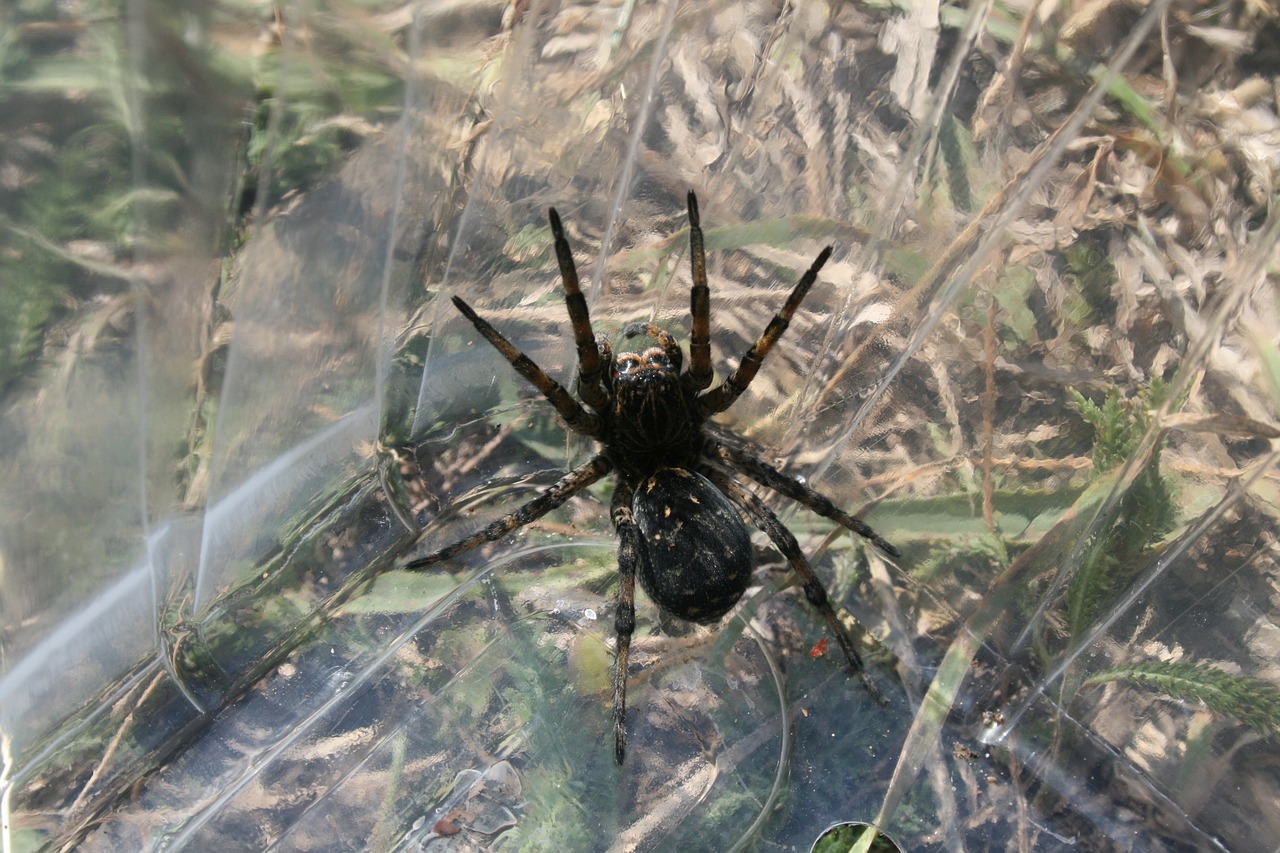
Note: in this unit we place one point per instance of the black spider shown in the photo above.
(677, 508)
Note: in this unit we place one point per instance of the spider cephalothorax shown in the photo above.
(655, 421)
(678, 509)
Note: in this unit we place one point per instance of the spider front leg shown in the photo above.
(592, 368)
(770, 477)
(624, 620)
(559, 492)
(814, 591)
(575, 416)
(723, 395)
(699, 375)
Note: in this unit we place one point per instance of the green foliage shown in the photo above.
(985, 555)
(948, 182)
(1090, 266)
(1118, 425)
(530, 247)
(302, 146)
(1013, 293)
(559, 800)
(67, 199)
(26, 305)
(1254, 703)
(1269, 354)
(957, 152)
(308, 117)
(1145, 514)
(97, 145)
(850, 837)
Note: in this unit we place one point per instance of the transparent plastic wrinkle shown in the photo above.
(78, 659)
(90, 426)
(93, 529)
(1040, 746)
(301, 399)
(466, 379)
(72, 512)
(383, 742)
(382, 748)
(248, 522)
(1159, 739)
(243, 745)
(91, 654)
(1144, 738)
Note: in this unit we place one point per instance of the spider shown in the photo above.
(677, 508)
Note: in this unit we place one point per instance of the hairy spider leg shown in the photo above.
(770, 477)
(590, 385)
(664, 338)
(699, 376)
(723, 395)
(624, 619)
(606, 359)
(555, 495)
(575, 416)
(785, 542)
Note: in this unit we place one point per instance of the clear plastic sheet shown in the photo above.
(236, 394)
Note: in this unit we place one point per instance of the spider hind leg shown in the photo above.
(624, 620)
(814, 591)
(771, 478)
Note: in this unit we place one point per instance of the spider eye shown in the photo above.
(626, 363)
(656, 359)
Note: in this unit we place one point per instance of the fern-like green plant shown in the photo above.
(1254, 703)
(1145, 514)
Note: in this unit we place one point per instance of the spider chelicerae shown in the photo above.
(677, 507)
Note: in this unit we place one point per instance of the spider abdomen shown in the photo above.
(696, 554)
